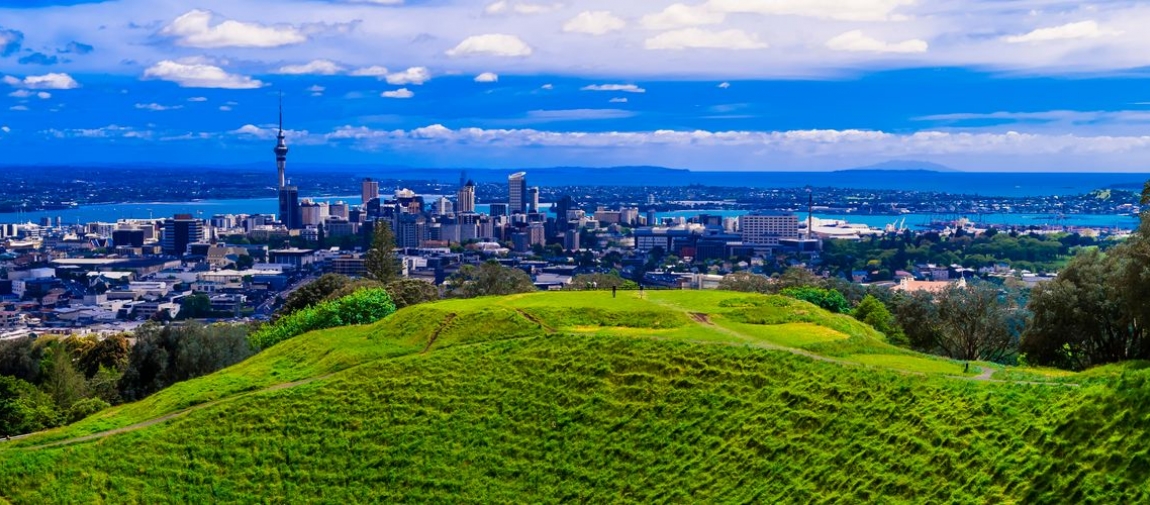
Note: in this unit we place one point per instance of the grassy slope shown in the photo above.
(523, 399)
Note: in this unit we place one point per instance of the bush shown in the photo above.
(86, 407)
(828, 299)
(362, 307)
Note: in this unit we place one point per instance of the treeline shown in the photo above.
(889, 253)
(50, 382)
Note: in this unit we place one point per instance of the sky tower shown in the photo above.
(281, 149)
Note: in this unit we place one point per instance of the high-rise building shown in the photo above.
(517, 192)
(441, 207)
(767, 228)
(181, 230)
(288, 195)
(466, 202)
(370, 190)
(533, 199)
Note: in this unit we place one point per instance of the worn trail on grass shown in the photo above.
(705, 320)
(164, 418)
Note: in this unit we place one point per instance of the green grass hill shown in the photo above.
(669, 396)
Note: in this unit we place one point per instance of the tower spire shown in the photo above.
(281, 149)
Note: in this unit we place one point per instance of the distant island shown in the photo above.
(902, 166)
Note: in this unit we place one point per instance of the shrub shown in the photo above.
(828, 299)
(362, 307)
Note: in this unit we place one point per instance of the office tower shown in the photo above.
(517, 192)
(533, 199)
(288, 195)
(499, 209)
(128, 237)
(181, 230)
(442, 207)
(768, 227)
(339, 209)
(466, 202)
(370, 190)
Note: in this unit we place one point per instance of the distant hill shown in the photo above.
(902, 166)
(655, 397)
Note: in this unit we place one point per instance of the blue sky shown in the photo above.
(997, 85)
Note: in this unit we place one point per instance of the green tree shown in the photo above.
(245, 261)
(873, 312)
(195, 306)
(408, 292)
(977, 323)
(917, 315)
(381, 263)
(61, 380)
(797, 277)
(489, 279)
(828, 299)
(747, 282)
(23, 408)
(601, 281)
(313, 293)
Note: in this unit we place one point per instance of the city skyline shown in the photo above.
(705, 85)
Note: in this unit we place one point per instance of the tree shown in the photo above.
(23, 408)
(1090, 314)
(313, 293)
(166, 355)
(61, 380)
(977, 323)
(195, 306)
(245, 261)
(109, 353)
(489, 279)
(601, 281)
(828, 299)
(20, 358)
(381, 263)
(746, 282)
(917, 314)
(797, 277)
(873, 312)
(408, 292)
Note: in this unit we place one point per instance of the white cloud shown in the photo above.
(43, 95)
(94, 133)
(18, 108)
(843, 10)
(413, 75)
(1070, 31)
(577, 114)
(199, 75)
(695, 38)
(492, 44)
(680, 16)
(856, 41)
(317, 90)
(487, 77)
(226, 108)
(618, 100)
(195, 29)
(5, 129)
(399, 93)
(594, 23)
(315, 67)
(626, 88)
(46, 81)
(372, 71)
(724, 85)
(197, 99)
(506, 6)
(155, 107)
(547, 86)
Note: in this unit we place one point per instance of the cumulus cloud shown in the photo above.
(197, 99)
(506, 6)
(680, 16)
(109, 131)
(196, 29)
(695, 38)
(547, 86)
(849, 10)
(594, 23)
(724, 85)
(487, 77)
(317, 90)
(372, 71)
(577, 114)
(856, 41)
(18, 108)
(413, 75)
(1069, 31)
(399, 93)
(491, 44)
(618, 100)
(314, 67)
(626, 88)
(155, 107)
(46, 81)
(199, 75)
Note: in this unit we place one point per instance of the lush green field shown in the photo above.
(551, 397)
